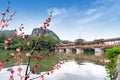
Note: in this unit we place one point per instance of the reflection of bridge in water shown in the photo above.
(97, 45)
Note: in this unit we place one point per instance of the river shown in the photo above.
(70, 70)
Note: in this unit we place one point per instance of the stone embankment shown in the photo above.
(116, 74)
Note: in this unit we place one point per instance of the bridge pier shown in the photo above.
(61, 50)
(56, 50)
(98, 51)
(79, 51)
(68, 50)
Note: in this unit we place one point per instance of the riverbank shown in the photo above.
(47, 62)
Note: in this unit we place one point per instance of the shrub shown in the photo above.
(112, 54)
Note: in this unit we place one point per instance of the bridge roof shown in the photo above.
(112, 39)
(92, 42)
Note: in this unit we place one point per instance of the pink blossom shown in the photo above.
(5, 47)
(41, 28)
(13, 56)
(27, 43)
(1, 64)
(4, 20)
(5, 42)
(17, 50)
(28, 55)
(9, 39)
(11, 15)
(33, 71)
(48, 54)
(11, 78)
(36, 65)
(38, 57)
(19, 54)
(2, 25)
(3, 13)
(26, 76)
(19, 69)
(12, 71)
(7, 25)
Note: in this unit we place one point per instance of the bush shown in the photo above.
(112, 54)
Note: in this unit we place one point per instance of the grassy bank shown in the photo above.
(45, 63)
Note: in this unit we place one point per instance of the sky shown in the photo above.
(72, 19)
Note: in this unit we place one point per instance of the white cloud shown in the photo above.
(57, 11)
(71, 23)
(91, 11)
(88, 19)
(92, 23)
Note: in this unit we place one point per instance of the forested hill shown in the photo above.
(36, 31)
(8, 32)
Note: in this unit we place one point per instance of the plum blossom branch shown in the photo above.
(4, 21)
(56, 67)
(43, 28)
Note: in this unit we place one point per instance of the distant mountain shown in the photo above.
(36, 31)
(8, 32)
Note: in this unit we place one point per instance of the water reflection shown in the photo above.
(72, 71)
(69, 71)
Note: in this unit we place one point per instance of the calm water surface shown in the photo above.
(70, 71)
(73, 71)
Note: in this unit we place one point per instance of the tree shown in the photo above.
(3, 37)
(65, 41)
(50, 41)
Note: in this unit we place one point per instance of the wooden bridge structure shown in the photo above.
(98, 45)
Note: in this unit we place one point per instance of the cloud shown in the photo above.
(91, 23)
(88, 19)
(70, 23)
(91, 11)
(57, 11)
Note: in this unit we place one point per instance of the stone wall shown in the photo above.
(116, 74)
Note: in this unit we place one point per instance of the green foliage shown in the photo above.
(65, 41)
(6, 54)
(16, 42)
(45, 64)
(50, 41)
(47, 42)
(111, 54)
(1, 45)
(3, 37)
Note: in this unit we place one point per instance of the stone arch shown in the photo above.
(64, 50)
(90, 51)
(73, 50)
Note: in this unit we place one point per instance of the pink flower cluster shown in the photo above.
(46, 24)
(4, 21)
(56, 67)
